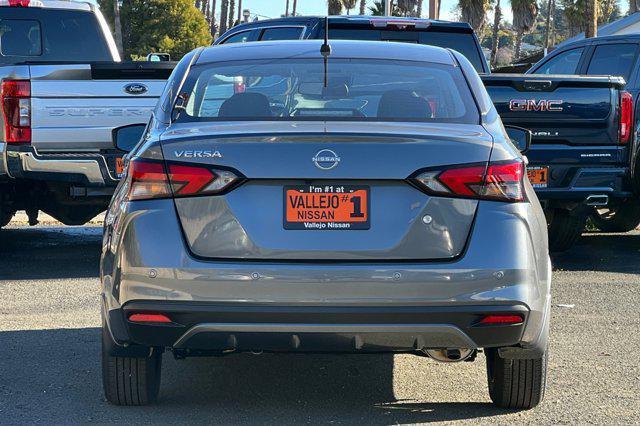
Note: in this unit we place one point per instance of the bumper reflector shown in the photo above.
(157, 318)
(502, 319)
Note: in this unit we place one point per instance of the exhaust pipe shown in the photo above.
(597, 200)
(449, 355)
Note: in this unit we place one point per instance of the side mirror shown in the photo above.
(520, 137)
(127, 137)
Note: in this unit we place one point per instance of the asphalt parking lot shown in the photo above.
(50, 359)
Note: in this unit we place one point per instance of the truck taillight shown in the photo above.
(626, 118)
(500, 181)
(149, 179)
(16, 110)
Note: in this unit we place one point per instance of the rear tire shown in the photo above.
(624, 217)
(130, 381)
(516, 383)
(565, 229)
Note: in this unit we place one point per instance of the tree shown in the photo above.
(378, 9)
(633, 6)
(419, 9)
(349, 4)
(117, 27)
(286, 10)
(363, 7)
(294, 12)
(335, 7)
(497, 15)
(475, 13)
(591, 19)
(547, 26)
(232, 11)
(224, 16)
(172, 26)
(525, 13)
(213, 26)
(407, 7)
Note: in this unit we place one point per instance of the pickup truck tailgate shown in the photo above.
(567, 110)
(76, 107)
(575, 149)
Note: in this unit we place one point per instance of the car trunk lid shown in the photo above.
(400, 221)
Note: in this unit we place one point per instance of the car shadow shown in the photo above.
(602, 252)
(50, 252)
(53, 376)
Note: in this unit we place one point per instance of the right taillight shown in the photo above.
(500, 181)
(626, 118)
(149, 179)
(16, 110)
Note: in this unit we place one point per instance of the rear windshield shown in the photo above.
(347, 89)
(41, 35)
(464, 43)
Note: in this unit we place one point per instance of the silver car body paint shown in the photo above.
(225, 250)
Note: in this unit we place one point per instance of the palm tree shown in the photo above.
(286, 10)
(213, 26)
(378, 9)
(118, 26)
(474, 12)
(363, 5)
(224, 16)
(239, 11)
(232, 10)
(547, 25)
(349, 4)
(335, 7)
(294, 12)
(525, 13)
(419, 9)
(497, 15)
(591, 19)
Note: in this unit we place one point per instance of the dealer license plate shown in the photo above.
(538, 176)
(326, 207)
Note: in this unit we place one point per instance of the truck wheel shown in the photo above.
(516, 383)
(565, 229)
(128, 380)
(624, 217)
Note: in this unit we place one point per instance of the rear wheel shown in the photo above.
(565, 229)
(516, 383)
(129, 380)
(623, 217)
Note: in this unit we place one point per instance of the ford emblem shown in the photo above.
(135, 89)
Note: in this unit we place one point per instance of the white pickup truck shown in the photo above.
(64, 95)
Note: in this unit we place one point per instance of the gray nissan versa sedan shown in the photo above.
(353, 198)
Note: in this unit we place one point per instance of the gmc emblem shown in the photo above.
(533, 105)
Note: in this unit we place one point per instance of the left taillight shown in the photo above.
(626, 118)
(500, 181)
(150, 179)
(16, 110)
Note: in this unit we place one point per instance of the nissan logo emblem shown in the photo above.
(135, 89)
(326, 159)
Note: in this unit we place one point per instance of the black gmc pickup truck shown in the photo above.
(583, 145)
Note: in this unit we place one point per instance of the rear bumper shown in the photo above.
(245, 327)
(577, 172)
(81, 168)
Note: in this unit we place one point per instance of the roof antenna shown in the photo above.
(325, 51)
